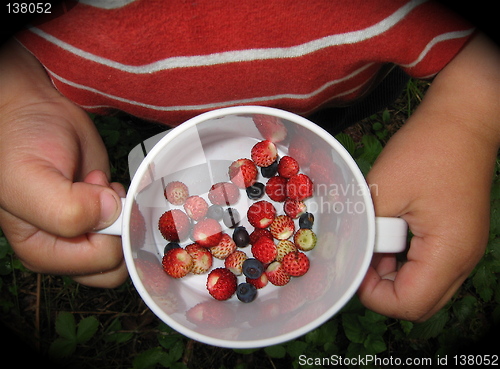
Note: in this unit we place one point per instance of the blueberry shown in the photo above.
(253, 268)
(255, 191)
(215, 212)
(241, 236)
(231, 217)
(270, 171)
(246, 292)
(306, 220)
(170, 246)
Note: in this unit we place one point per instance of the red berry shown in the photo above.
(196, 207)
(300, 149)
(282, 227)
(294, 208)
(276, 188)
(264, 153)
(296, 263)
(284, 247)
(261, 214)
(176, 192)
(224, 248)
(207, 232)
(259, 282)
(224, 193)
(276, 274)
(221, 283)
(299, 187)
(234, 261)
(258, 233)
(271, 128)
(288, 167)
(202, 258)
(177, 262)
(174, 225)
(243, 172)
(264, 250)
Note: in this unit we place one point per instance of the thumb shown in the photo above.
(57, 205)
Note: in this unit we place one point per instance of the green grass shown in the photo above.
(82, 327)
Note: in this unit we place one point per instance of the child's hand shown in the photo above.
(54, 179)
(436, 173)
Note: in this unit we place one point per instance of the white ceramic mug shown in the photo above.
(198, 153)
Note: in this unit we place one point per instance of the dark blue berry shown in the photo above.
(231, 217)
(253, 268)
(255, 191)
(306, 220)
(170, 246)
(246, 292)
(215, 212)
(270, 171)
(241, 237)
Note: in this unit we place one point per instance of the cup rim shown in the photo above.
(245, 110)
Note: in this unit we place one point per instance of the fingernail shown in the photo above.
(109, 208)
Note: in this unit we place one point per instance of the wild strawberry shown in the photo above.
(225, 247)
(288, 167)
(282, 227)
(264, 153)
(174, 225)
(177, 262)
(276, 274)
(276, 188)
(207, 232)
(271, 128)
(284, 247)
(305, 239)
(196, 207)
(300, 149)
(243, 172)
(202, 258)
(234, 261)
(152, 276)
(210, 313)
(264, 250)
(261, 214)
(296, 263)
(299, 187)
(259, 282)
(221, 283)
(258, 233)
(224, 193)
(294, 208)
(176, 192)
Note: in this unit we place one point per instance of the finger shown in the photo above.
(417, 290)
(110, 279)
(60, 206)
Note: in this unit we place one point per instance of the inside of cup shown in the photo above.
(198, 153)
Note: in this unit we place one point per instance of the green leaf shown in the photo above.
(86, 329)
(66, 325)
(374, 344)
(296, 348)
(353, 328)
(372, 148)
(149, 359)
(347, 142)
(276, 351)
(62, 347)
(465, 308)
(432, 327)
(483, 280)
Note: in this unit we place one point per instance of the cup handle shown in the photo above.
(390, 235)
(114, 229)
